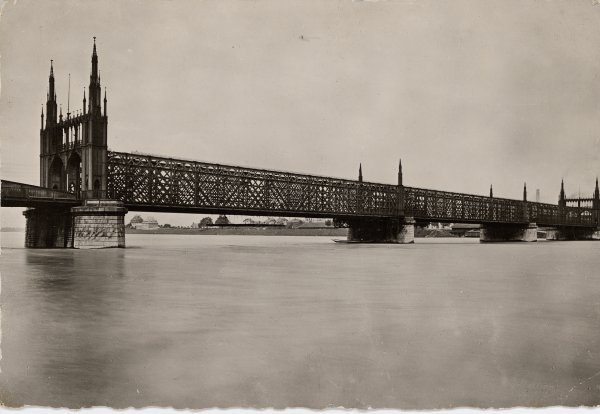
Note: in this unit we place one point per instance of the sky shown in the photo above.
(467, 92)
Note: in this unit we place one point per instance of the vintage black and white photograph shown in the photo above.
(377, 204)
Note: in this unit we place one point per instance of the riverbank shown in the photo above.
(274, 231)
(246, 231)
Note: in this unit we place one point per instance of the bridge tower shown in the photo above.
(73, 158)
(73, 149)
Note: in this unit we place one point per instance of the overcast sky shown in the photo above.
(467, 93)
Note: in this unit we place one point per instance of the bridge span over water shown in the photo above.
(85, 191)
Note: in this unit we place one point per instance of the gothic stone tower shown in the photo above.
(73, 158)
(73, 149)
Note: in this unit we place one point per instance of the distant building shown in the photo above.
(294, 223)
(148, 224)
(438, 226)
(463, 229)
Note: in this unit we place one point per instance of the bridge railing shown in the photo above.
(11, 189)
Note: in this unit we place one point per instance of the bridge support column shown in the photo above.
(498, 232)
(572, 233)
(48, 227)
(373, 230)
(99, 224)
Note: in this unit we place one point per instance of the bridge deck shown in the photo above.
(152, 183)
(14, 194)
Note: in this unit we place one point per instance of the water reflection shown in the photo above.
(257, 321)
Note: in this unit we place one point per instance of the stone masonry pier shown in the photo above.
(99, 224)
(508, 233)
(382, 230)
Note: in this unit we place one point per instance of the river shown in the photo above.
(258, 321)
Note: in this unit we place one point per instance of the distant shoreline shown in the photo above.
(246, 231)
(11, 229)
(274, 231)
(260, 231)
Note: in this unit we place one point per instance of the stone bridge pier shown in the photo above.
(572, 233)
(500, 232)
(48, 227)
(99, 224)
(381, 230)
(510, 232)
(94, 225)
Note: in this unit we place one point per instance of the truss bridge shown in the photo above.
(85, 191)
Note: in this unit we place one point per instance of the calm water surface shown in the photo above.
(203, 321)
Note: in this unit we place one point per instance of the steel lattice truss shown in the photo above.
(151, 183)
(443, 206)
(154, 183)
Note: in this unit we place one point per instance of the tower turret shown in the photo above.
(596, 200)
(95, 91)
(561, 196)
(400, 172)
(51, 112)
(360, 177)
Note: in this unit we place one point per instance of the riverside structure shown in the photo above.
(85, 191)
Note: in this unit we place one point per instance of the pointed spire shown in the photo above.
(60, 116)
(69, 98)
(561, 196)
(51, 91)
(491, 191)
(105, 102)
(42, 116)
(360, 177)
(400, 172)
(524, 191)
(94, 78)
(597, 190)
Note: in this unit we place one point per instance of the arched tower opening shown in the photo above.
(73, 177)
(56, 174)
(97, 192)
